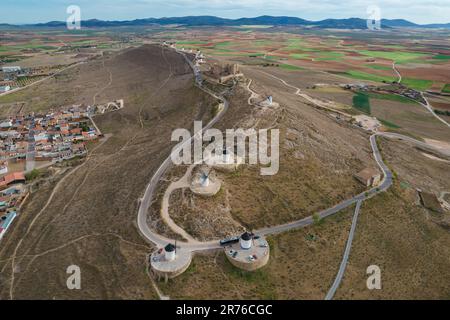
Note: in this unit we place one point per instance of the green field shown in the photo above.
(441, 57)
(397, 56)
(418, 84)
(361, 101)
(446, 88)
(222, 45)
(25, 47)
(262, 43)
(378, 67)
(295, 44)
(192, 42)
(391, 97)
(367, 76)
(329, 56)
(300, 56)
(389, 124)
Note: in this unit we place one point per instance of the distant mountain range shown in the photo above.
(351, 23)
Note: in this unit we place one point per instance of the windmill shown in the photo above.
(204, 179)
(226, 156)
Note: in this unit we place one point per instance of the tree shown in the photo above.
(33, 174)
(317, 219)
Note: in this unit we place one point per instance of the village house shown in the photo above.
(12, 178)
(51, 137)
(369, 177)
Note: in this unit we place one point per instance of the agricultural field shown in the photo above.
(358, 60)
(82, 209)
(319, 81)
(54, 47)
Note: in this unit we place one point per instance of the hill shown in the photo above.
(350, 23)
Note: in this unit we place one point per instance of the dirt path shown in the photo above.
(427, 105)
(37, 216)
(46, 228)
(397, 72)
(180, 184)
(163, 84)
(42, 80)
(94, 98)
(202, 246)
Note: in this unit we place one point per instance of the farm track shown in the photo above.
(42, 80)
(37, 216)
(385, 184)
(211, 245)
(427, 104)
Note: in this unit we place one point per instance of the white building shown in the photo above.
(246, 241)
(5, 222)
(205, 181)
(4, 89)
(40, 137)
(3, 168)
(11, 69)
(170, 252)
(6, 124)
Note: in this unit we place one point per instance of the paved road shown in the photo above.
(146, 200)
(348, 248)
(427, 104)
(385, 184)
(161, 241)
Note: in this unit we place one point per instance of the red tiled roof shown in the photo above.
(76, 130)
(9, 178)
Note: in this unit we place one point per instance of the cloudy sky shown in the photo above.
(28, 11)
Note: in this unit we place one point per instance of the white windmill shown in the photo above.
(205, 180)
(226, 156)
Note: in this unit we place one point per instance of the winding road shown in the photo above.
(348, 248)
(146, 200)
(193, 246)
(161, 241)
(427, 105)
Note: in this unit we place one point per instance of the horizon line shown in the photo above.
(197, 16)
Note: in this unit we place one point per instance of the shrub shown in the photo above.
(32, 175)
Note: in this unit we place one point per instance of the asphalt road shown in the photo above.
(161, 241)
(146, 200)
(348, 248)
(426, 105)
(397, 72)
(385, 184)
